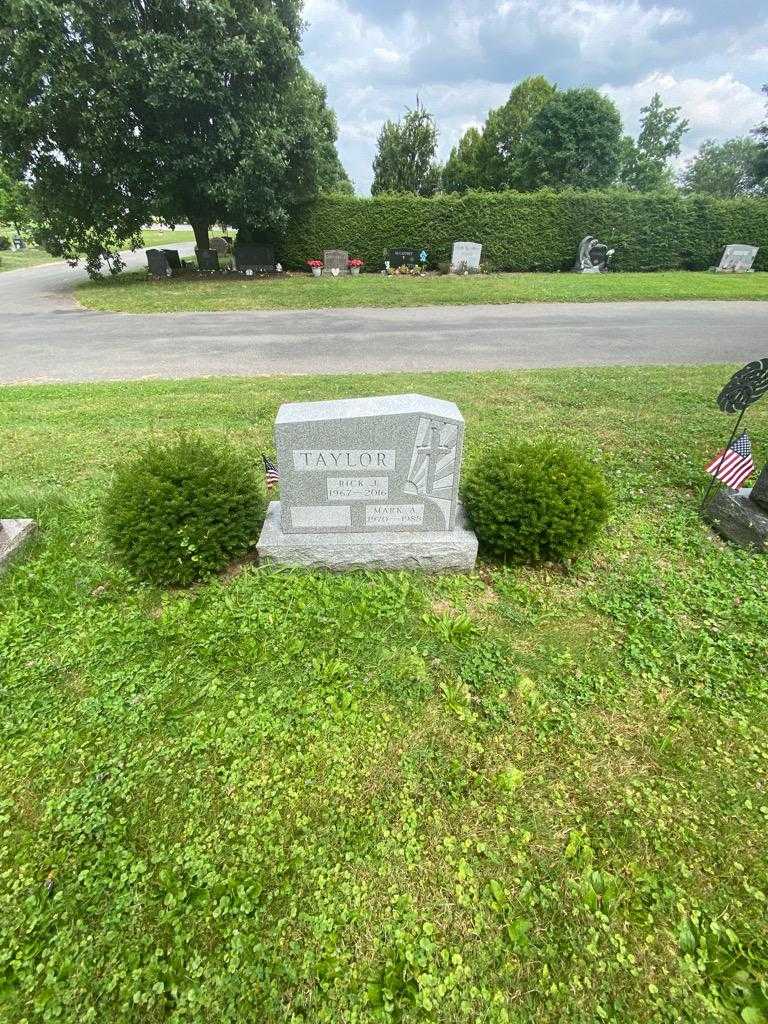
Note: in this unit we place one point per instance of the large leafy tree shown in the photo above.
(725, 169)
(14, 200)
(491, 158)
(405, 157)
(463, 168)
(645, 164)
(119, 110)
(506, 129)
(573, 141)
(761, 132)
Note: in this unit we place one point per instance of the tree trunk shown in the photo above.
(202, 240)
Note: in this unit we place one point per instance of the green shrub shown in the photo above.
(528, 231)
(182, 511)
(5, 243)
(535, 502)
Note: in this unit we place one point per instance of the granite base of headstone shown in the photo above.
(369, 483)
(737, 259)
(14, 534)
(335, 262)
(738, 518)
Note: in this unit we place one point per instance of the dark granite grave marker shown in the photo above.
(404, 257)
(256, 257)
(157, 263)
(207, 260)
(174, 261)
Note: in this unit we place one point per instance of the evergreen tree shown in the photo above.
(645, 163)
(405, 157)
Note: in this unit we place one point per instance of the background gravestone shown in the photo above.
(157, 263)
(369, 482)
(594, 256)
(760, 490)
(404, 257)
(465, 256)
(737, 259)
(14, 534)
(207, 261)
(335, 259)
(174, 260)
(256, 257)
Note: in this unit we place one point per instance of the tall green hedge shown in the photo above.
(533, 230)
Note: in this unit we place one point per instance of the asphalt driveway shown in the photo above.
(45, 336)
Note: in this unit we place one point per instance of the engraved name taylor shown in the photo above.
(343, 458)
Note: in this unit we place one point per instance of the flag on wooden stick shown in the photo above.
(270, 473)
(734, 465)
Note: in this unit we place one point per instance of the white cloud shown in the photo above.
(462, 57)
(720, 107)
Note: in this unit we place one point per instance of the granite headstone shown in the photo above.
(207, 261)
(369, 482)
(157, 263)
(335, 260)
(736, 516)
(403, 257)
(465, 256)
(737, 259)
(255, 258)
(593, 257)
(174, 260)
(14, 534)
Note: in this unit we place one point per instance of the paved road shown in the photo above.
(44, 336)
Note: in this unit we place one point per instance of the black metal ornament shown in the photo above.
(745, 387)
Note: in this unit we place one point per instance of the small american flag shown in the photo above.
(733, 466)
(270, 473)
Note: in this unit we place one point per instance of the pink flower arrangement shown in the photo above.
(315, 264)
(355, 263)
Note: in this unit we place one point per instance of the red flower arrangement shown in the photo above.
(315, 264)
(355, 263)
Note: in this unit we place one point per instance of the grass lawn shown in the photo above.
(512, 796)
(133, 293)
(33, 256)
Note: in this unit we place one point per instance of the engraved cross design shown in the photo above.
(433, 450)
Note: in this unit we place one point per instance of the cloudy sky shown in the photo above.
(463, 57)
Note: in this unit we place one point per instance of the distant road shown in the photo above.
(45, 336)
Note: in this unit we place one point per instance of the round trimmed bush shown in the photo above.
(182, 511)
(535, 502)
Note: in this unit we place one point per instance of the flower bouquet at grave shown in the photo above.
(316, 266)
(354, 265)
(405, 271)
